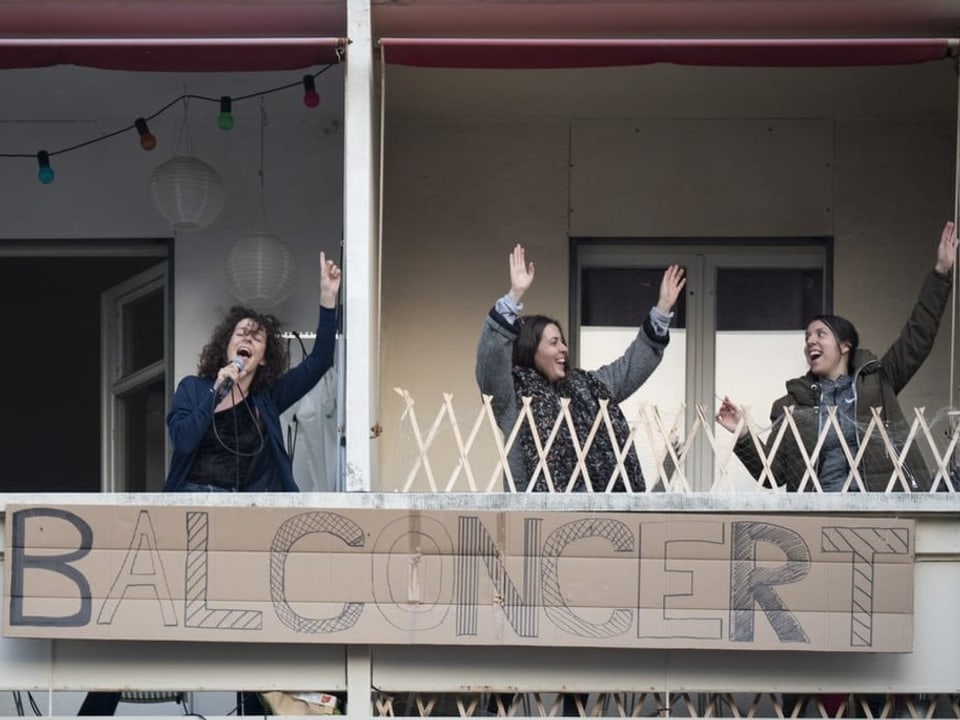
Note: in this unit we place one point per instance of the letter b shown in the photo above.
(60, 564)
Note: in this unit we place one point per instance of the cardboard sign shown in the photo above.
(459, 577)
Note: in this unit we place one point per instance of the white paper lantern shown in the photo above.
(260, 271)
(187, 192)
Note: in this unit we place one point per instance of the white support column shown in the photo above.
(359, 682)
(360, 250)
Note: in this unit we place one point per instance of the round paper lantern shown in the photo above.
(260, 271)
(187, 192)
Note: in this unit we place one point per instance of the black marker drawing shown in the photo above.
(751, 585)
(196, 612)
(864, 544)
(476, 545)
(555, 607)
(410, 573)
(142, 567)
(672, 623)
(60, 564)
(292, 530)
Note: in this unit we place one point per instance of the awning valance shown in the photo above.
(172, 54)
(574, 53)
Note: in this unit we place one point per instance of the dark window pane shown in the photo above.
(768, 298)
(622, 297)
(143, 332)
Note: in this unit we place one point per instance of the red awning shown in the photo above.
(573, 53)
(172, 54)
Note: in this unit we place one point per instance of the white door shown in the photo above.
(738, 331)
(134, 354)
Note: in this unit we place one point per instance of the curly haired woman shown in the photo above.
(225, 420)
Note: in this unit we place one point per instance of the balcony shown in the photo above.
(459, 676)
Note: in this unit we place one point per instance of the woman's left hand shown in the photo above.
(670, 287)
(947, 249)
(329, 282)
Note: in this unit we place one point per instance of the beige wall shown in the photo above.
(476, 161)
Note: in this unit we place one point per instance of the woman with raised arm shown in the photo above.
(225, 420)
(853, 380)
(526, 357)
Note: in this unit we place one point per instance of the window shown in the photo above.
(134, 382)
(737, 331)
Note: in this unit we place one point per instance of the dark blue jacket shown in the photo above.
(192, 410)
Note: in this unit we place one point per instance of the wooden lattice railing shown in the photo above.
(666, 447)
(665, 704)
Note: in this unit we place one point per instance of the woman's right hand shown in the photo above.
(730, 415)
(229, 371)
(521, 274)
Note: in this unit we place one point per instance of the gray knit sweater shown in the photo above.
(494, 371)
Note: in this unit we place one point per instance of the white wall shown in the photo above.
(479, 160)
(101, 191)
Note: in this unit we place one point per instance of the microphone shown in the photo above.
(227, 385)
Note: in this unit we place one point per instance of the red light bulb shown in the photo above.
(311, 98)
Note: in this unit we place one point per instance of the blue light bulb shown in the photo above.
(44, 172)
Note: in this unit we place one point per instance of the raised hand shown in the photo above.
(521, 274)
(329, 282)
(730, 415)
(947, 250)
(670, 287)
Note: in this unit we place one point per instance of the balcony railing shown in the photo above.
(461, 461)
(464, 445)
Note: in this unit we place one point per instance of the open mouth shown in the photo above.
(244, 353)
(814, 355)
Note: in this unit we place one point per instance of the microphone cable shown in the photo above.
(235, 450)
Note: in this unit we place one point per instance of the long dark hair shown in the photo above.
(214, 353)
(526, 344)
(842, 329)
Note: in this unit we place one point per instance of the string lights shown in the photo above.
(148, 141)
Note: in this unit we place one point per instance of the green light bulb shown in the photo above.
(225, 118)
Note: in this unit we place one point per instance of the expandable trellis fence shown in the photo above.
(666, 704)
(666, 449)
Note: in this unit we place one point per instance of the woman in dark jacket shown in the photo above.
(224, 422)
(853, 380)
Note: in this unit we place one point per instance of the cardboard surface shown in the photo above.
(459, 577)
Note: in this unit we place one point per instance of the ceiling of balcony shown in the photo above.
(479, 18)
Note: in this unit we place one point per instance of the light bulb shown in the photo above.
(147, 140)
(311, 98)
(45, 173)
(225, 118)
